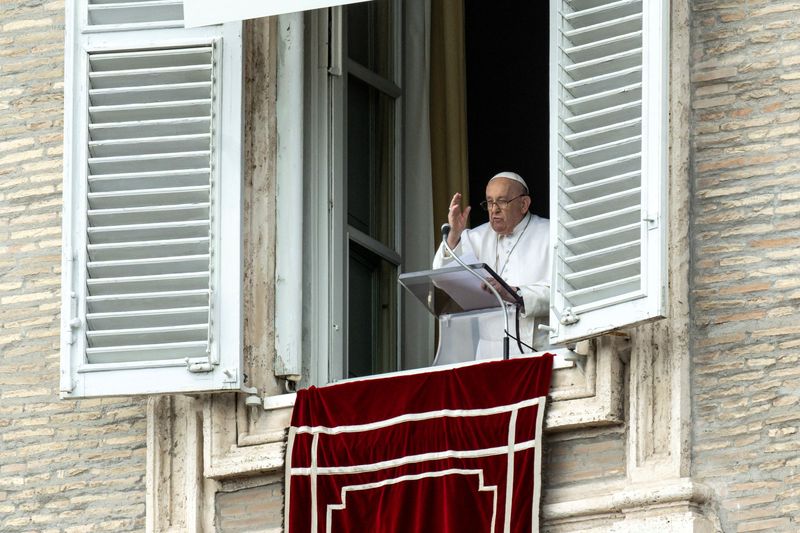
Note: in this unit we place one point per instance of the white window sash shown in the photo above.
(205, 12)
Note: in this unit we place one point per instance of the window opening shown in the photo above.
(507, 60)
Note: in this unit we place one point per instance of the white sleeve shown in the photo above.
(536, 298)
(443, 257)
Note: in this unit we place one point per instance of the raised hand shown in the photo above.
(457, 218)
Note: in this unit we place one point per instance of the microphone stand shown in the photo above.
(445, 232)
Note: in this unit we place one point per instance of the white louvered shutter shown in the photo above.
(608, 105)
(202, 12)
(152, 202)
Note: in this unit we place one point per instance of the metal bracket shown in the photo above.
(252, 399)
(652, 220)
(198, 367)
(290, 382)
(578, 354)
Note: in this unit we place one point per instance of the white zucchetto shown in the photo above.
(511, 176)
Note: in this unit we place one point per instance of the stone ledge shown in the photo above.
(681, 498)
(244, 461)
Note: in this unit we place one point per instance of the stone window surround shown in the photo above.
(222, 443)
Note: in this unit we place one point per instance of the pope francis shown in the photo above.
(515, 243)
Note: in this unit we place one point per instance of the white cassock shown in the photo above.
(522, 259)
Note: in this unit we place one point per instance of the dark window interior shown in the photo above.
(507, 97)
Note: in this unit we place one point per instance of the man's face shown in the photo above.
(503, 221)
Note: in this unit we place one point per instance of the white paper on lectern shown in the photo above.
(207, 12)
(465, 289)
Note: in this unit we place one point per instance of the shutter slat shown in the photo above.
(154, 352)
(601, 153)
(601, 117)
(604, 221)
(593, 189)
(595, 295)
(150, 318)
(150, 111)
(604, 256)
(604, 204)
(605, 99)
(150, 93)
(155, 76)
(603, 239)
(150, 180)
(601, 9)
(602, 65)
(112, 15)
(148, 232)
(605, 169)
(147, 267)
(147, 301)
(604, 82)
(604, 274)
(148, 197)
(610, 132)
(145, 249)
(603, 30)
(150, 58)
(138, 67)
(149, 214)
(145, 336)
(606, 47)
(144, 128)
(150, 145)
(156, 162)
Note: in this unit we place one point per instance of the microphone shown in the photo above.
(445, 233)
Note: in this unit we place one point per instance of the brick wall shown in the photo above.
(746, 267)
(249, 510)
(64, 466)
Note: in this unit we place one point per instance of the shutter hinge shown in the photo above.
(74, 322)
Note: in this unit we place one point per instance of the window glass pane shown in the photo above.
(369, 36)
(372, 314)
(370, 161)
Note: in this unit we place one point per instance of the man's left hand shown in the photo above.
(504, 294)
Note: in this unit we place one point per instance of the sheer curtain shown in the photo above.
(435, 146)
(418, 236)
(448, 104)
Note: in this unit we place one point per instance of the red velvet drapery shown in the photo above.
(455, 450)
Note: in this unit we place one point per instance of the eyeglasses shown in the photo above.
(488, 205)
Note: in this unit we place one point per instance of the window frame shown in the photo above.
(326, 192)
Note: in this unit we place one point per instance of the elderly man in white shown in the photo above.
(514, 243)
